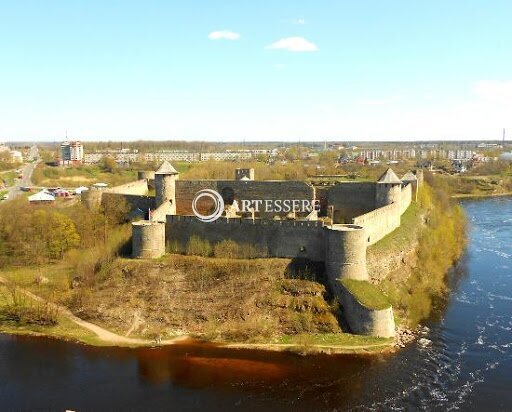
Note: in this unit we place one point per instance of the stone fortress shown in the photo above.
(362, 213)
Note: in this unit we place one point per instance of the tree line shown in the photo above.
(39, 234)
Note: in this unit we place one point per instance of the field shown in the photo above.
(71, 177)
(7, 178)
(64, 329)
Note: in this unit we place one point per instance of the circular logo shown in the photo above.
(217, 201)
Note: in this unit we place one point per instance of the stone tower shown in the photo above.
(148, 239)
(165, 186)
(345, 253)
(389, 189)
(411, 178)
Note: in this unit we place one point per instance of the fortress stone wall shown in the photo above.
(382, 221)
(379, 222)
(406, 197)
(138, 187)
(282, 238)
(368, 210)
(144, 203)
(341, 247)
(134, 193)
(351, 199)
(241, 189)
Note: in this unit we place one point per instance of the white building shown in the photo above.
(219, 156)
(180, 156)
(42, 196)
(71, 152)
(16, 156)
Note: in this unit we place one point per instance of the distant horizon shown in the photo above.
(249, 142)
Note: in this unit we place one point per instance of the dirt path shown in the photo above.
(135, 324)
(115, 339)
(103, 334)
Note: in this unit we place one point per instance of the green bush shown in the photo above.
(22, 312)
(200, 247)
(174, 246)
(229, 249)
(51, 172)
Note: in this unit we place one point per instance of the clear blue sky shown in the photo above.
(157, 69)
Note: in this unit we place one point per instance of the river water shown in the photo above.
(463, 359)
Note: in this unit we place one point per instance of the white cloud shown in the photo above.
(293, 44)
(224, 34)
(300, 22)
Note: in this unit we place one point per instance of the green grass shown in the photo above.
(335, 339)
(65, 328)
(366, 294)
(404, 235)
(57, 288)
(182, 167)
(83, 175)
(8, 177)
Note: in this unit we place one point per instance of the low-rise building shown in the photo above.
(16, 156)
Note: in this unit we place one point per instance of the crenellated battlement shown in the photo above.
(244, 221)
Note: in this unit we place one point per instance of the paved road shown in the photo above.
(27, 171)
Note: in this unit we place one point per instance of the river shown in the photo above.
(463, 359)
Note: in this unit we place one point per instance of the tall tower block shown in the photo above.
(389, 189)
(165, 186)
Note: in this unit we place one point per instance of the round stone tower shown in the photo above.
(149, 176)
(165, 186)
(92, 197)
(146, 174)
(389, 189)
(345, 255)
(148, 239)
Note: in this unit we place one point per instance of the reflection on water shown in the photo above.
(198, 365)
(462, 358)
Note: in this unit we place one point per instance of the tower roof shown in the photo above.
(389, 177)
(409, 177)
(166, 169)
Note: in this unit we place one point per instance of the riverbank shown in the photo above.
(469, 186)
(480, 195)
(73, 329)
(411, 265)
